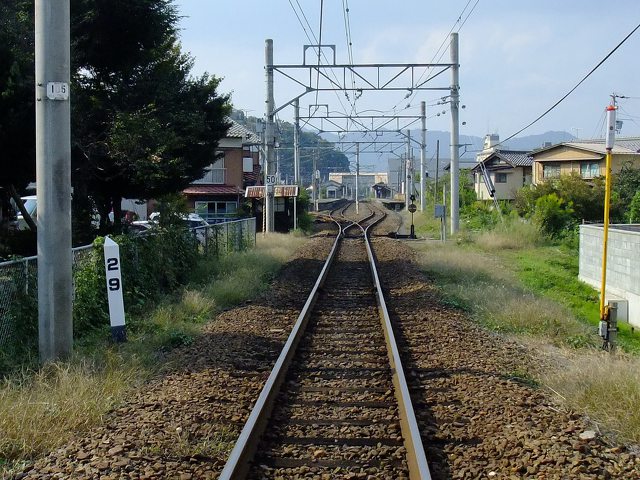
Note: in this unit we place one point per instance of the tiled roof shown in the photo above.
(622, 145)
(512, 158)
(213, 190)
(516, 158)
(238, 131)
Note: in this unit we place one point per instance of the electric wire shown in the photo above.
(628, 116)
(438, 51)
(574, 88)
(313, 41)
(599, 125)
(349, 39)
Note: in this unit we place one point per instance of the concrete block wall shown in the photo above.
(623, 263)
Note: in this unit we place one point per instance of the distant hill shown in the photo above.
(471, 146)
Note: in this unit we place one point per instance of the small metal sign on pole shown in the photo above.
(440, 212)
(114, 290)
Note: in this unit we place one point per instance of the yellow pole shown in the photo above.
(609, 142)
(607, 199)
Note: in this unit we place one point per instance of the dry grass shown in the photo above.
(511, 236)
(451, 261)
(42, 410)
(479, 283)
(278, 245)
(39, 411)
(603, 386)
(240, 276)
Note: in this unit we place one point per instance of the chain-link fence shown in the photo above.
(19, 278)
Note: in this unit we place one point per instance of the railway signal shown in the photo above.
(412, 209)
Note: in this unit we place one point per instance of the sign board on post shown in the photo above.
(114, 290)
(58, 91)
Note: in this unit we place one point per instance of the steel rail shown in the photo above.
(238, 463)
(237, 466)
(416, 458)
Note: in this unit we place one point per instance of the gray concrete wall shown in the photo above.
(623, 264)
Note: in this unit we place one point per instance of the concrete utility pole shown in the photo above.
(296, 158)
(269, 138)
(314, 180)
(423, 154)
(407, 177)
(357, 177)
(53, 178)
(455, 136)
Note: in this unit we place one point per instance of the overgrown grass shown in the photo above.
(511, 280)
(512, 235)
(552, 271)
(40, 410)
(480, 284)
(605, 387)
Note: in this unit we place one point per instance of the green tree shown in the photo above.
(586, 198)
(329, 161)
(634, 208)
(553, 215)
(467, 192)
(17, 109)
(143, 126)
(626, 185)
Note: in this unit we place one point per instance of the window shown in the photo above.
(211, 210)
(217, 171)
(589, 169)
(279, 204)
(550, 171)
(501, 177)
(214, 173)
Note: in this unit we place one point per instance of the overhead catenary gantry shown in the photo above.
(332, 77)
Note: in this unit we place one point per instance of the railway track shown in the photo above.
(336, 404)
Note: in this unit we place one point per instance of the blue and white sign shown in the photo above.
(114, 290)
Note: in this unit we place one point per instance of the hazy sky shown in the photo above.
(517, 57)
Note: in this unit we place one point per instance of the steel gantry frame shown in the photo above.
(342, 124)
(386, 143)
(374, 77)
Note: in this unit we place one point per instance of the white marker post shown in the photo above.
(114, 290)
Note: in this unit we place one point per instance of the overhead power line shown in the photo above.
(440, 51)
(574, 88)
(314, 41)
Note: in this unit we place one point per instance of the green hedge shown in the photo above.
(152, 267)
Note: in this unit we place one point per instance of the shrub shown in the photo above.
(634, 209)
(586, 198)
(480, 215)
(626, 184)
(553, 215)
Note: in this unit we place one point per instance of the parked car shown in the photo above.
(31, 205)
(193, 221)
(139, 227)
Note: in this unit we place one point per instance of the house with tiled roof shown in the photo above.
(220, 192)
(507, 170)
(583, 157)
